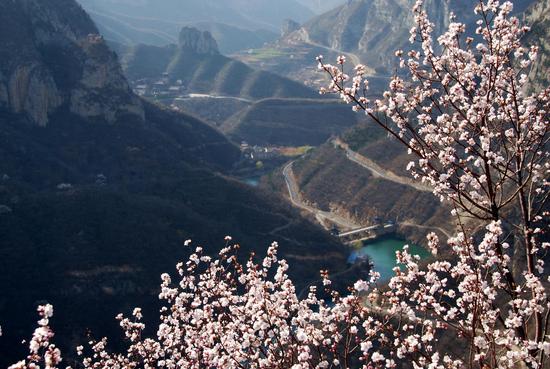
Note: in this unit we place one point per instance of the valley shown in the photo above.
(281, 118)
(128, 128)
(100, 187)
(191, 76)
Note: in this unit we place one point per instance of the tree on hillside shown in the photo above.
(481, 142)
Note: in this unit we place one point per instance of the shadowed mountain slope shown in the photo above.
(98, 188)
(289, 122)
(202, 69)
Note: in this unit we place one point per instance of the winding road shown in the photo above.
(377, 170)
(342, 222)
(208, 96)
(353, 58)
(353, 228)
(320, 215)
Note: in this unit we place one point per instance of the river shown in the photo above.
(381, 252)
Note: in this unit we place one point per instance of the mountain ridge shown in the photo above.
(365, 31)
(196, 61)
(96, 199)
(154, 17)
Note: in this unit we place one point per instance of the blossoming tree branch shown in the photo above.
(479, 137)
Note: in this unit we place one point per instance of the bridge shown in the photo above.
(364, 233)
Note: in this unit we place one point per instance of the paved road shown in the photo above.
(353, 58)
(296, 199)
(377, 170)
(198, 96)
(353, 228)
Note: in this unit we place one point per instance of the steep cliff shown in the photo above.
(194, 41)
(56, 58)
(538, 18)
(98, 189)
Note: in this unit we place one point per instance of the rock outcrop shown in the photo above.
(97, 211)
(289, 26)
(199, 42)
(50, 61)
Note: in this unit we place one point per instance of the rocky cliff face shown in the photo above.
(538, 18)
(49, 60)
(374, 29)
(199, 42)
(91, 213)
(289, 26)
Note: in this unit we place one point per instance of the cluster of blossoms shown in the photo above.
(480, 140)
(223, 314)
(464, 113)
(41, 352)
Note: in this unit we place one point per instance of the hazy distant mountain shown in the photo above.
(158, 22)
(98, 188)
(321, 6)
(231, 39)
(366, 31)
(374, 29)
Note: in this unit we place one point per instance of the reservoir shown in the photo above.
(252, 181)
(381, 253)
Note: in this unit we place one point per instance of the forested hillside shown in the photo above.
(99, 188)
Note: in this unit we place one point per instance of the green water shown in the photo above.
(382, 254)
(252, 181)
